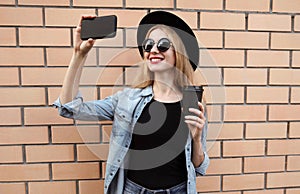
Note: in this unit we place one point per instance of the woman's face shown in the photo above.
(158, 61)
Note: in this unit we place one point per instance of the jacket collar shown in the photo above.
(147, 91)
(135, 93)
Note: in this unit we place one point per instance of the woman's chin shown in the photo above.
(159, 67)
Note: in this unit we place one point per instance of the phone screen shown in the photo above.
(99, 27)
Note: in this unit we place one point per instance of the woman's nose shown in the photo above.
(154, 49)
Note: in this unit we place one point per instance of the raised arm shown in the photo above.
(73, 74)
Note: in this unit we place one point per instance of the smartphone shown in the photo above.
(191, 96)
(99, 27)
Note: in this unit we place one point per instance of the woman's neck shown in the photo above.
(166, 91)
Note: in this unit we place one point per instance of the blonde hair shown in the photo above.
(184, 72)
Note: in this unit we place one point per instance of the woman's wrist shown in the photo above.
(77, 59)
(198, 153)
(197, 138)
(79, 55)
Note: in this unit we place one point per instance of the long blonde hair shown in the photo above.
(184, 71)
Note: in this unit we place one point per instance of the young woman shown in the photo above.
(154, 148)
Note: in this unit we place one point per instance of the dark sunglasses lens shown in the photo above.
(148, 44)
(163, 45)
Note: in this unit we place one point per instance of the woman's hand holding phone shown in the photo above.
(82, 47)
(91, 28)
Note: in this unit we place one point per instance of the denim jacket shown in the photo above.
(124, 108)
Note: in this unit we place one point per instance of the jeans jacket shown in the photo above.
(124, 108)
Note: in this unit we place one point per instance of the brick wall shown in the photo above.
(250, 59)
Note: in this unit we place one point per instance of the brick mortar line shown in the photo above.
(102, 134)
(266, 147)
(24, 153)
(100, 170)
(124, 33)
(198, 20)
(97, 57)
(270, 41)
(77, 190)
(49, 136)
(290, 96)
(288, 130)
(124, 76)
(293, 23)
(243, 165)
(291, 52)
(246, 58)
(50, 172)
(224, 5)
(71, 38)
(17, 37)
(26, 187)
(244, 132)
(266, 181)
(45, 57)
(246, 22)
(223, 40)
(271, 6)
(221, 182)
(75, 153)
(44, 16)
(20, 76)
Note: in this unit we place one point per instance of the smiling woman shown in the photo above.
(154, 147)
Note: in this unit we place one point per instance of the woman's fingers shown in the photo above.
(85, 17)
(86, 46)
(196, 112)
(196, 118)
(77, 36)
(201, 107)
(195, 124)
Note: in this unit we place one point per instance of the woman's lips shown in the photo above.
(155, 60)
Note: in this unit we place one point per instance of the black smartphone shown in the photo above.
(191, 96)
(99, 27)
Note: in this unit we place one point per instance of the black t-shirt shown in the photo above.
(157, 157)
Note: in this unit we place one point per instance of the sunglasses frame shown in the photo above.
(157, 44)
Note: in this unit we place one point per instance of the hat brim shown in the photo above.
(178, 25)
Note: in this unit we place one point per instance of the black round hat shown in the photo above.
(178, 25)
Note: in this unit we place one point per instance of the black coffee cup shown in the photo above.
(191, 96)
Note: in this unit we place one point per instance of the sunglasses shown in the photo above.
(162, 45)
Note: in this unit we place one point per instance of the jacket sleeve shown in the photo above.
(89, 111)
(201, 170)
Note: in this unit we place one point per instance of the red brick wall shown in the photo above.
(250, 59)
